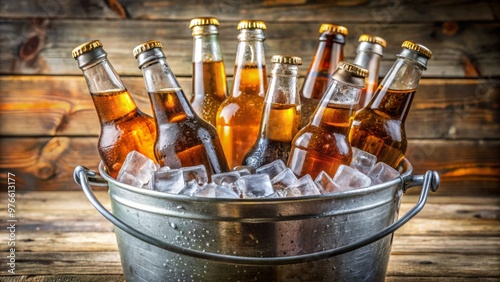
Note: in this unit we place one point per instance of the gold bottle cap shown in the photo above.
(426, 52)
(146, 46)
(251, 24)
(203, 21)
(285, 59)
(86, 47)
(337, 29)
(372, 39)
(353, 69)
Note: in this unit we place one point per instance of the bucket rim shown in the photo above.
(338, 195)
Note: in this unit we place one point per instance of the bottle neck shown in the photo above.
(329, 53)
(370, 61)
(209, 75)
(167, 97)
(281, 115)
(250, 64)
(206, 47)
(395, 93)
(111, 99)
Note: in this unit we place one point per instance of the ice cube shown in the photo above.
(168, 181)
(305, 186)
(254, 185)
(362, 161)
(213, 190)
(136, 169)
(283, 179)
(272, 169)
(244, 169)
(225, 177)
(348, 178)
(277, 194)
(190, 188)
(323, 180)
(199, 173)
(381, 172)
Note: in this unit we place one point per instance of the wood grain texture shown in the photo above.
(270, 10)
(61, 106)
(468, 50)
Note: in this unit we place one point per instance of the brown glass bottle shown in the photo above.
(184, 138)
(329, 53)
(369, 52)
(281, 115)
(379, 127)
(238, 117)
(124, 127)
(209, 84)
(323, 145)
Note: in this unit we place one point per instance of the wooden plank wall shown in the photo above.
(48, 122)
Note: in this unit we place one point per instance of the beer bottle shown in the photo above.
(369, 52)
(209, 76)
(329, 53)
(379, 128)
(238, 117)
(124, 127)
(281, 115)
(322, 145)
(184, 138)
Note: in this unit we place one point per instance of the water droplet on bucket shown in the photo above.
(173, 225)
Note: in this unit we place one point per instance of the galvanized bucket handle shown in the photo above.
(429, 181)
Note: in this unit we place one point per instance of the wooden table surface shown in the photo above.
(61, 237)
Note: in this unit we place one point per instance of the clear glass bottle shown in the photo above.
(370, 51)
(323, 145)
(329, 53)
(184, 138)
(238, 117)
(209, 84)
(124, 127)
(281, 115)
(379, 128)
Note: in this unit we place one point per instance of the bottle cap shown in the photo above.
(421, 49)
(141, 48)
(337, 29)
(86, 47)
(353, 69)
(372, 39)
(285, 59)
(251, 24)
(203, 21)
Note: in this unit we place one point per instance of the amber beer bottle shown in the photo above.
(281, 115)
(370, 50)
(322, 145)
(238, 117)
(124, 127)
(184, 138)
(379, 127)
(209, 84)
(329, 53)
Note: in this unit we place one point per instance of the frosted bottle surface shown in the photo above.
(238, 117)
(281, 115)
(323, 145)
(184, 139)
(124, 127)
(379, 128)
(209, 84)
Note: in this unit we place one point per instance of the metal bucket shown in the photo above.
(338, 237)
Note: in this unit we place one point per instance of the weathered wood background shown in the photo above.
(49, 125)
